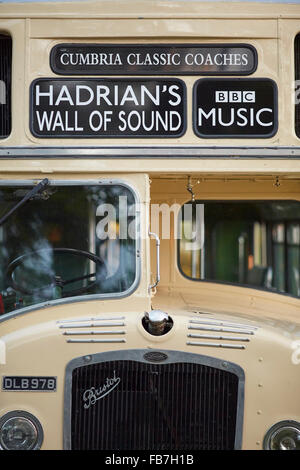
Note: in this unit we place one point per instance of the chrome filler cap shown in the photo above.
(157, 322)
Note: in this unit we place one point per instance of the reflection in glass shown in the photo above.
(65, 242)
(255, 243)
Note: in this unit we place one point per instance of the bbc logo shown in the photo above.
(235, 96)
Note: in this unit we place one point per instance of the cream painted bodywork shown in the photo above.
(36, 346)
(36, 28)
(34, 341)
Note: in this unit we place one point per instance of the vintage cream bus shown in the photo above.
(150, 225)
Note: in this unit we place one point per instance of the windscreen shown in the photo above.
(64, 242)
(252, 243)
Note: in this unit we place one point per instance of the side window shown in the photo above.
(249, 243)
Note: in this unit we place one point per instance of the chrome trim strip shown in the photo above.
(91, 325)
(90, 319)
(231, 338)
(111, 340)
(221, 329)
(143, 152)
(216, 345)
(93, 332)
(223, 323)
(138, 355)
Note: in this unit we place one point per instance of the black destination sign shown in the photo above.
(153, 59)
(99, 108)
(238, 108)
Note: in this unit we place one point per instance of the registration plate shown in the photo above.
(31, 384)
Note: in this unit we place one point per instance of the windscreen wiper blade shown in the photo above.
(37, 189)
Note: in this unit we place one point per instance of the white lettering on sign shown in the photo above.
(53, 120)
(108, 95)
(150, 59)
(238, 116)
(153, 59)
(98, 121)
(216, 59)
(90, 59)
(136, 120)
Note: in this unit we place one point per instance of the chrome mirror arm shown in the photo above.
(151, 234)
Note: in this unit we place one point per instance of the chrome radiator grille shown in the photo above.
(126, 405)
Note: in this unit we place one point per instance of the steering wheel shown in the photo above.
(57, 280)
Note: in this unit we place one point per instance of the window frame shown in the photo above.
(83, 298)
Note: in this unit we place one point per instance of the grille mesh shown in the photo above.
(297, 77)
(180, 406)
(5, 85)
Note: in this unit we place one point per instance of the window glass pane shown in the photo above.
(249, 243)
(65, 242)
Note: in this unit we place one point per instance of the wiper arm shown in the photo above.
(35, 190)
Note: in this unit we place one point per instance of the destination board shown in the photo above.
(235, 108)
(153, 59)
(103, 108)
